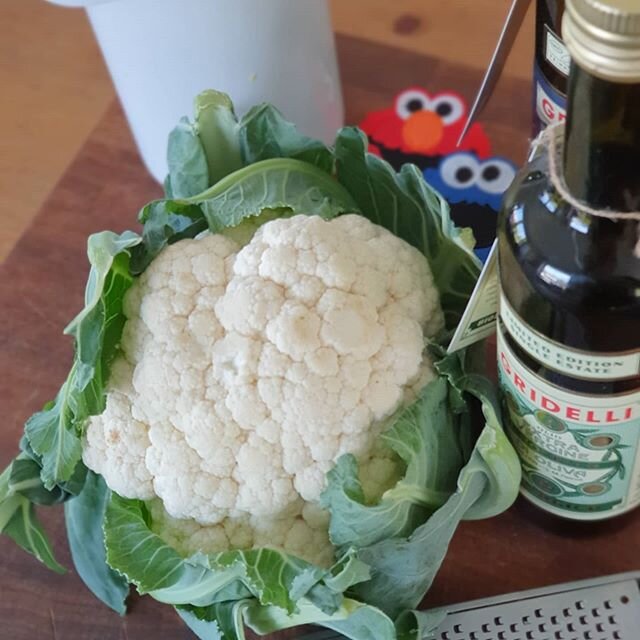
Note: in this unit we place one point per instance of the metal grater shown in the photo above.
(601, 609)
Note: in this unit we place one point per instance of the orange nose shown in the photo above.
(422, 131)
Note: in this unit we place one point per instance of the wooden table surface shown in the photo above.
(56, 86)
(41, 286)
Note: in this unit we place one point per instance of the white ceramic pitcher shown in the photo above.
(161, 53)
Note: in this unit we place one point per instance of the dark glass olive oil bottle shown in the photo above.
(569, 261)
(551, 68)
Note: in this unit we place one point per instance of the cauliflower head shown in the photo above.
(245, 372)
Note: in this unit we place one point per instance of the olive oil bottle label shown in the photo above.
(579, 453)
(577, 364)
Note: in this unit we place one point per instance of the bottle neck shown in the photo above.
(549, 12)
(602, 142)
(548, 27)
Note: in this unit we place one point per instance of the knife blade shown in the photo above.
(510, 30)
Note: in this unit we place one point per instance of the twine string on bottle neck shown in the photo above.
(552, 139)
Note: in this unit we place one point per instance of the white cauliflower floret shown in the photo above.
(378, 472)
(246, 372)
(305, 534)
(116, 443)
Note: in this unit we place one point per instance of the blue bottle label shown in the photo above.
(550, 106)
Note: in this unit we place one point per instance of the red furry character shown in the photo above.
(422, 128)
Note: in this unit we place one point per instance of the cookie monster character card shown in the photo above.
(424, 128)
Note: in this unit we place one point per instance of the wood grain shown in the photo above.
(41, 288)
(54, 90)
(56, 87)
(460, 31)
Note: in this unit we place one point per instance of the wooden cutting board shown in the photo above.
(41, 288)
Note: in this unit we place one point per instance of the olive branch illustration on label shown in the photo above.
(578, 454)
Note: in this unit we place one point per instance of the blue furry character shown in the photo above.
(474, 190)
